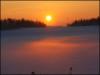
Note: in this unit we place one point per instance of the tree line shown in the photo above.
(9, 23)
(86, 22)
(21, 23)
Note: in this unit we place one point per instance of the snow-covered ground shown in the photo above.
(50, 50)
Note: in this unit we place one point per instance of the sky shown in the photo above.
(62, 12)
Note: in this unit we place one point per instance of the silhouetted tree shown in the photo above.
(22, 23)
(88, 22)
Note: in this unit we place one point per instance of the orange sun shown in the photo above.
(48, 18)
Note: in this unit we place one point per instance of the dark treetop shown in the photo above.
(86, 22)
(22, 23)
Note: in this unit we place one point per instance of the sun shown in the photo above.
(48, 18)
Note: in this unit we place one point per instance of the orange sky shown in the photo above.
(63, 12)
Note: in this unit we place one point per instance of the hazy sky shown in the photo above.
(62, 12)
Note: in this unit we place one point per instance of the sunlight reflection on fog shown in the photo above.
(51, 54)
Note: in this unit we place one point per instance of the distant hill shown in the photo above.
(7, 24)
(85, 22)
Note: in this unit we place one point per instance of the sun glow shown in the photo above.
(48, 18)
